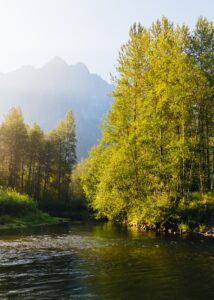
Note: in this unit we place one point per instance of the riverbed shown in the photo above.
(90, 260)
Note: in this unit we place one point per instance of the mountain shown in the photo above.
(47, 93)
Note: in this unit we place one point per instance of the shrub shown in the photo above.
(15, 204)
(183, 227)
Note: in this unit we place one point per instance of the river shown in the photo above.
(89, 260)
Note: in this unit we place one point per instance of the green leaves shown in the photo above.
(36, 163)
(147, 159)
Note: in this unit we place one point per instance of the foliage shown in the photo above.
(77, 201)
(197, 211)
(37, 163)
(202, 228)
(157, 140)
(14, 204)
(183, 227)
(18, 210)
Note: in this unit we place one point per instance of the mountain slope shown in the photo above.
(47, 93)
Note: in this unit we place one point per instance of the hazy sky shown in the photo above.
(90, 31)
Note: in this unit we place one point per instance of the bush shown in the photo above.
(184, 227)
(202, 228)
(15, 204)
(197, 211)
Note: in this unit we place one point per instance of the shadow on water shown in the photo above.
(89, 260)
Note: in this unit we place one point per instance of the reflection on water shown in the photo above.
(104, 261)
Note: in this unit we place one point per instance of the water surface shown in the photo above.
(86, 260)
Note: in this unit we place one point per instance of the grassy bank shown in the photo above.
(18, 211)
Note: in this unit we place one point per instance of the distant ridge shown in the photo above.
(45, 94)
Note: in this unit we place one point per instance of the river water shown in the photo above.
(88, 260)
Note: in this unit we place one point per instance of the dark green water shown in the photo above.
(104, 261)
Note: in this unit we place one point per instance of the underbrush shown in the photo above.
(15, 204)
(18, 210)
(196, 211)
(191, 215)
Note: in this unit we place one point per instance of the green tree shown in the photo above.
(64, 142)
(13, 145)
(147, 160)
(201, 49)
(36, 163)
(35, 160)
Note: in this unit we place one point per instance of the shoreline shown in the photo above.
(23, 223)
(45, 220)
(208, 232)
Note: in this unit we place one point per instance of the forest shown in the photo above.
(36, 163)
(155, 161)
(107, 150)
(154, 164)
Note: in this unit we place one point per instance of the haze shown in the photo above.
(34, 31)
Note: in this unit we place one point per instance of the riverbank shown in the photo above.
(175, 229)
(20, 211)
(195, 215)
(41, 219)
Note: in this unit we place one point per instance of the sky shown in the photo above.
(32, 32)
